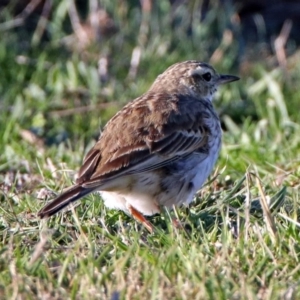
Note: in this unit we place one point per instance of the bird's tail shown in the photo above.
(74, 193)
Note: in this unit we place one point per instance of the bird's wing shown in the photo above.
(147, 135)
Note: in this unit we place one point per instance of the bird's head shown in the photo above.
(191, 77)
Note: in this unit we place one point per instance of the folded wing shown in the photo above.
(157, 138)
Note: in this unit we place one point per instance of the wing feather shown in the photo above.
(146, 137)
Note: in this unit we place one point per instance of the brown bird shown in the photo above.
(158, 150)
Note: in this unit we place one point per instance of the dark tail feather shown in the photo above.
(74, 193)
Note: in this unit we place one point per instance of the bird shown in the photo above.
(158, 150)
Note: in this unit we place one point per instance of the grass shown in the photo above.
(241, 234)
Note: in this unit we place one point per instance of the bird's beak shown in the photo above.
(227, 78)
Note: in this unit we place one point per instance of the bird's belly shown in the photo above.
(182, 184)
(174, 184)
(141, 193)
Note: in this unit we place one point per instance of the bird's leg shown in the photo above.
(139, 217)
(176, 220)
(176, 223)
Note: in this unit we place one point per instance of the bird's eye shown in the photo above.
(206, 76)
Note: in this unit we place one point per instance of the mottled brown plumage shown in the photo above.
(159, 149)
